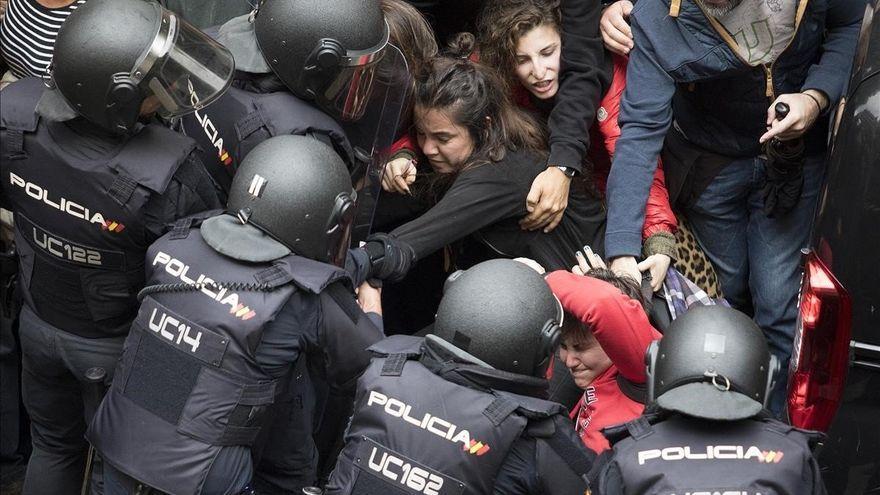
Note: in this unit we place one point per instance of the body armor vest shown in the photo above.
(414, 432)
(79, 211)
(228, 129)
(189, 383)
(687, 455)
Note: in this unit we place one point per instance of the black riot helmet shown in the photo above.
(296, 190)
(503, 313)
(712, 363)
(325, 51)
(112, 55)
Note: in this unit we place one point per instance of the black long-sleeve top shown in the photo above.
(584, 78)
(488, 201)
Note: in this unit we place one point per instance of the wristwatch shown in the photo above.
(568, 171)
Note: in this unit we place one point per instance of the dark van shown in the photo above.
(835, 373)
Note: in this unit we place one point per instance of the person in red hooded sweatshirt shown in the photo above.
(604, 338)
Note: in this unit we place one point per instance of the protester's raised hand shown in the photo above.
(626, 265)
(615, 29)
(398, 175)
(546, 201)
(656, 265)
(587, 260)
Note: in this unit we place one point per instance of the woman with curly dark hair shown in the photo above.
(521, 38)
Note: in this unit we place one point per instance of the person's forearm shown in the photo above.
(645, 117)
(467, 207)
(831, 74)
(345, 347)
(583, 80)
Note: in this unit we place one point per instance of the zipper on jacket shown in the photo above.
(769, 91)
(768, 68)
(768, 75)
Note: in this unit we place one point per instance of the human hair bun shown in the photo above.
(461, 45)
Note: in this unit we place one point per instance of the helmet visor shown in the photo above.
(343, 88)
(348, 92)
(184, 68)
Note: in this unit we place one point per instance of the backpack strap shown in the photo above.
(569, 449)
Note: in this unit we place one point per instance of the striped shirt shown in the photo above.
(27, 35)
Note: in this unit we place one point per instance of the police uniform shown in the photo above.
(248, 114)
(202, 366)
(429, 421)
(279, 90)
(671, 453)
(256, 107)
(87, 204)
(707, 430)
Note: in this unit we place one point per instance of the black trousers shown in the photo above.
(54, 363)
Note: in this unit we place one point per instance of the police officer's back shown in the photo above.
(301, 68)
(92, 183)
(233, 300)
(460, 411)
(706, 431)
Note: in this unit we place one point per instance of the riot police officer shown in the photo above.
(460, 411)
(707, 431)
(304, 67)
(232, 301)
(316, 67)
(93, 181)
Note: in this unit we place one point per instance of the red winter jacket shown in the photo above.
(621, 327)
(605, 130)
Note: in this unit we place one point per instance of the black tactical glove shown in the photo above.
(390, 259)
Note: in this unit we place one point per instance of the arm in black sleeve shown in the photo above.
(563, 462)
(585, 76)
(357, 264)
(518, 474)
(534, 464)
(478, 198)
(191, 191)
(284, 338)
(344, 334)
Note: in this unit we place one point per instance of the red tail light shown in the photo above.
(821, 349)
